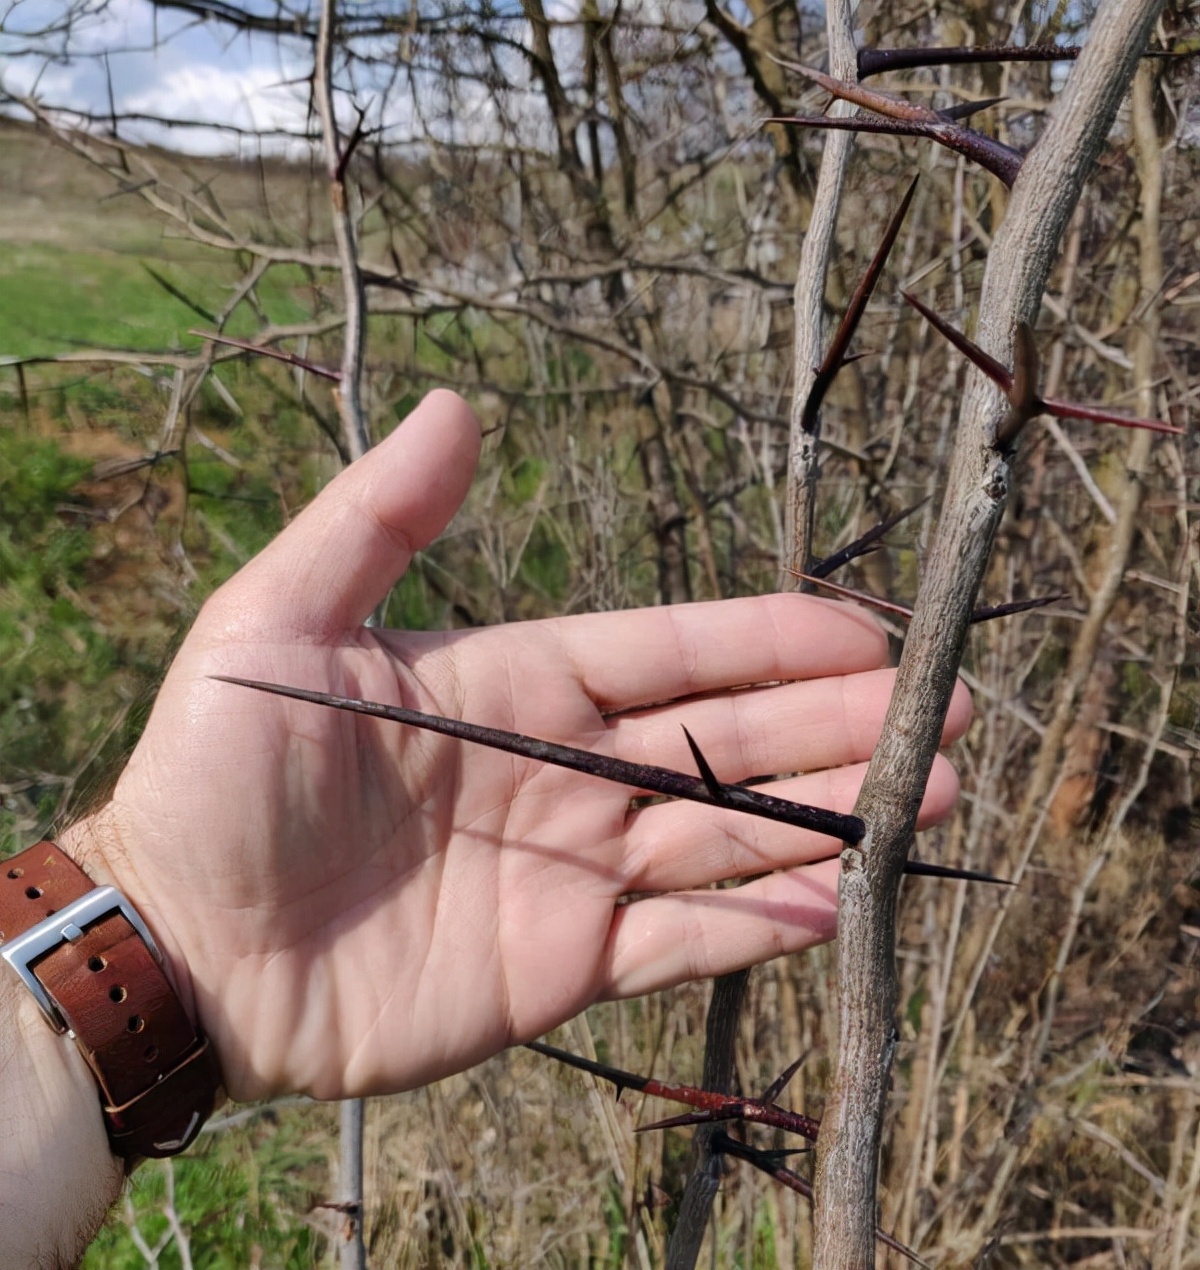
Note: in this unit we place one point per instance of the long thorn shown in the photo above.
(710, 1105)
(985, 612)
(1002, 161)
(859, 597)
(1001, 376)
(276, 354)
(1094, 414)
(874, 61)
(994, 370)
(921, 869)
(766, 1162)
(661, 780)
(835, 358)
(887, 104)
(860, 546)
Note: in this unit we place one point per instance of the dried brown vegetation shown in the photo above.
(606, 269)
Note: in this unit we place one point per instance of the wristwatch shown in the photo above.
(97, 975)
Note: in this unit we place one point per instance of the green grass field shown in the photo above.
(78, 262)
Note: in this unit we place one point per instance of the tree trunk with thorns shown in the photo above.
(1043, 196)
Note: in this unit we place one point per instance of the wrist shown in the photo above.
(59, 1176)
(103, 847)
(87, 959)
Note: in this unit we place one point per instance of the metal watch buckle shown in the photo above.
(66, 926)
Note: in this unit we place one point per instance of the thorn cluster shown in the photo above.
(712, 1107)
(1020, 384)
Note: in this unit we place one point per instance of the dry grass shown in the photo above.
(1046, 1098)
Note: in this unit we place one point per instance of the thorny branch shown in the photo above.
(1045, 193)
(638, 776)
(714, 1109)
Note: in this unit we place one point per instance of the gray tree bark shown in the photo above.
(1042, 200)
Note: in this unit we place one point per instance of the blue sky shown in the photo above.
(174, 66)
(164, 64)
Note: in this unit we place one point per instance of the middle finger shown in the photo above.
(793, 727)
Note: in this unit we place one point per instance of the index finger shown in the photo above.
(642, 656)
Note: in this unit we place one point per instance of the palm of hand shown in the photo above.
(359, 907)
(385, 883)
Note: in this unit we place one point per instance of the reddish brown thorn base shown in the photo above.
(911, 119)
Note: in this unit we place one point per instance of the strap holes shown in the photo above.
(96, 964)
(16, 873)
(117, 994)
(136, 1023)
(33, 892)
(150, 1053)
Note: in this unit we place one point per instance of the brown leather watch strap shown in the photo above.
(93, 967)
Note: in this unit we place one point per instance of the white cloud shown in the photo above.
(255, 98)
(166, 65)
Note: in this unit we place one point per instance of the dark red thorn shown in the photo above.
(1005, 379)
(781, 1082)
(835, 358)
(872, 61)
(765, 1162)
(1002, 161)
(994, 370)
(661, 780)
(995, 157)
(1093, 414)
(710, 1105)
(860, 546)
(265, 350)
(985, 613)
(887, 104)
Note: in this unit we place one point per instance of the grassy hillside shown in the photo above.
(83, 266)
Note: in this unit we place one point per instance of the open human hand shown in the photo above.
(356, 907)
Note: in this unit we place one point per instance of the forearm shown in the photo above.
(58, 1177)
(59, 1169)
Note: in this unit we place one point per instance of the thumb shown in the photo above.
(338, 559)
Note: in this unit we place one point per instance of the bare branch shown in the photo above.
(354, 425)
